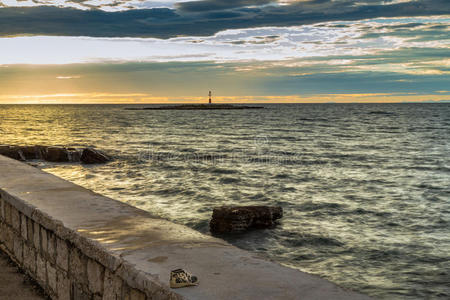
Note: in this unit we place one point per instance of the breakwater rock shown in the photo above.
(55, 154)
(227, 219)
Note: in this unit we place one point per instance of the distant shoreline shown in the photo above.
(196, 107)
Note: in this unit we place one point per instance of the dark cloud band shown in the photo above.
(199, 18)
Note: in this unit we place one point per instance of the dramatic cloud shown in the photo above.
(369, 37)
(201, 18)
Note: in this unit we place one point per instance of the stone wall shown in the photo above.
(59, 266)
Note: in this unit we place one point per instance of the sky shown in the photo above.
(252, 51)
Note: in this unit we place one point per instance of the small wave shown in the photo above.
(362, 211)
(228, 180)
(287, 189)
(258, 196)
(384, 113)
(311, 206)
(223, 171)
(429, 187)
(353, 157)
(116, 189)
(304, 257)
(383, 254)
(168, 191)
(281, 176)
(313, 240)
(313, 119)
(424, 168)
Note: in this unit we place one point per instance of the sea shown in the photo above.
(365, 188)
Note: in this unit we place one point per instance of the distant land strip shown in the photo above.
(196, 107)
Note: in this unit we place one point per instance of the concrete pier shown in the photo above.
(81, 245)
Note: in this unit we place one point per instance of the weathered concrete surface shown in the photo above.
(15, 285)
(112, 246)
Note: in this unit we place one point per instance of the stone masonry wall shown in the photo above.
(61, 268)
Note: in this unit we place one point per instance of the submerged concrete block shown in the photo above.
(227, 219)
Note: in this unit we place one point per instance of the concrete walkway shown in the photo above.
(15, 285)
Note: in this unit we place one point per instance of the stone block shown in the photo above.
(79, 294)
(96, 274)
(63, 286)
(18, 248)
(51, 246)
(15, 219)
(30, 230)
(23, 226)
(62, 254)
(78, 266)
(41, 270)
(36, 236)
(7, 212)
(112, 286)
(2, 209)
(126, 292)
(29, 259)
(136, 295)
(2, 232)
(44, 240)
(9, 240)
(51, 277)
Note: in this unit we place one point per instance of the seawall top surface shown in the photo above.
(117, 234)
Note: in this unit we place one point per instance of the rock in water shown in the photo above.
(92, 156)
(56, 154)
(74, 154)
(30, 152)
(12, 152)
(228, 219)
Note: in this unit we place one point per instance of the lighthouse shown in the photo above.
(209, 97)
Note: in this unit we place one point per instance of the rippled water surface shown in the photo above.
(365, 187)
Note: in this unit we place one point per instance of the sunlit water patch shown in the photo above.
(365, 188)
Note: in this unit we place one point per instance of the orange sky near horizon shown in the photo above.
(138, 98)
